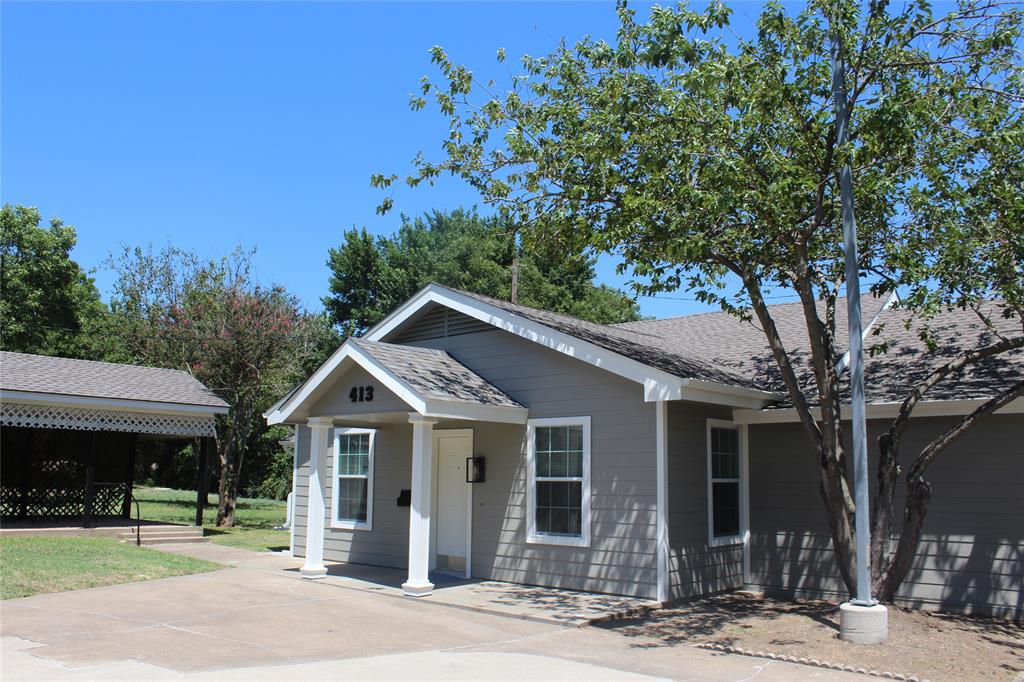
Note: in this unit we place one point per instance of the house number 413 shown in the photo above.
(361, 394)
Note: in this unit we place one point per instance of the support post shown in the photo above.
(418, 583)
(90, 481)
(661, 497)
(204, 479)
(862, 620)
(317, 510)
(129, 478)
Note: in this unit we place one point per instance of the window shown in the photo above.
(353, 479)
(558, 462)
(726, 484)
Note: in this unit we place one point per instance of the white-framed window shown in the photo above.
(727, 483)
(558, 481)
(352, 495)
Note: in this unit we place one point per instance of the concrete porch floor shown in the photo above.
(539, 604)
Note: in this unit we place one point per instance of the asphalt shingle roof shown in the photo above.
(435, 374)
(652, 349)
(888, 376)
(86, 378)
(720, 347)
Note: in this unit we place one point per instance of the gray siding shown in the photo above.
(335, 400)
(695, 567)
(301, 511)
(387, 544)
(620, 559)
(971, 556)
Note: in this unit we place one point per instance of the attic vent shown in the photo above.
(440, 323)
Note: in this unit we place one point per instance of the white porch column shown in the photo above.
(418, 584)
(314, 566)
(661, 499)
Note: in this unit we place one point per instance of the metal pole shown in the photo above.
(860, 441)
(202, 481)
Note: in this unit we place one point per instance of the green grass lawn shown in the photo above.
(254, 519)
(42, 564)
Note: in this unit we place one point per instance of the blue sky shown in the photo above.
(214, 124)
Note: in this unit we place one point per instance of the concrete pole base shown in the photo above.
(863, 624)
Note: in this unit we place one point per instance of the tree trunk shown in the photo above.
(890, 576)
(884, 509)
(227, 483)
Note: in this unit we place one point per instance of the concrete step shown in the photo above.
(169, 539)
(165, 539)
(155, 535)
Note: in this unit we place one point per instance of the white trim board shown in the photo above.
(90, 402)
(743, 537)
(420, 403)
(926, 408)
(438, 434)
(336, 523)
(532, 536)
(658, 384)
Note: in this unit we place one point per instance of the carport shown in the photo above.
(72, 430)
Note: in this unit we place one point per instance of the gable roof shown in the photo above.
(50, 379)
(666, 373)
(711, 357)
(435, 374)
(431, 382)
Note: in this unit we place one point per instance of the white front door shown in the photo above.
(453, 499)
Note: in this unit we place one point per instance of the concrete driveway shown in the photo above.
(259, 620)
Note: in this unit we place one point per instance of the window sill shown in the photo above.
(351, 525)
(728, 540)
(563, 540)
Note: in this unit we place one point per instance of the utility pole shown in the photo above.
(515, 280)
(863, 620)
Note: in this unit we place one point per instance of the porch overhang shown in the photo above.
(406, 372)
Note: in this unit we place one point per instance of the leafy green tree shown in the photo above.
(711, 163)
(249, 343)
(372, 276)
(48, 305)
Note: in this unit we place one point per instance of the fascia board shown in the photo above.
(929, 408)
(351, 351)
(488, 413)
(658, 385)
(90, 402)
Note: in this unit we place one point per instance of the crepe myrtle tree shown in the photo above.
(247, 342)
(709, 162)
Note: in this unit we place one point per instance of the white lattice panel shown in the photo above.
(75, 418)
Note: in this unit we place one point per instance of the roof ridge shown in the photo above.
(361, 341)
(98, 362)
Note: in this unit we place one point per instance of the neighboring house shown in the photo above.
(653, 459)
(70, 431)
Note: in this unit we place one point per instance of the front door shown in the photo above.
(453, 501)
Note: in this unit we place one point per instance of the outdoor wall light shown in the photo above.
(475, 469)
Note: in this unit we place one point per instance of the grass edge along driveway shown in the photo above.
(43, 564)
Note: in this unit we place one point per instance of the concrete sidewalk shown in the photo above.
(258, 620)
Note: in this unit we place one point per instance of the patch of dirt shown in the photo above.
(939, 647)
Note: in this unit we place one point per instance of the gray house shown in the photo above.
(657, 459)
